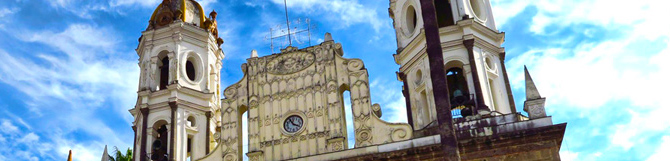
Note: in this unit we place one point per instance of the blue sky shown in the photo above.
(68, 69)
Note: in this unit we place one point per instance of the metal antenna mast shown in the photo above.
(288, 26)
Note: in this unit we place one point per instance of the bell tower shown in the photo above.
(473, 60)
(178, 94)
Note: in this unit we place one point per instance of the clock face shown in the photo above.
(293, 123)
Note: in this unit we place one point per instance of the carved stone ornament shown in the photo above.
(290, 63)
(337, 146)
(355, 65)
(230, 92)
(230, 157)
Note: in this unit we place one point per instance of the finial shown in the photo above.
(254, 53)
(534, 104)
(328, 37)
(531, 89)
(213, 14)
(69, 156)
(105, 155)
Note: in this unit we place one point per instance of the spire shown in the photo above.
(531, 90)
(105, 155)
(69, 156)
(534, 104)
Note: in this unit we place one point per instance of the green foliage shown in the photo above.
(118, 156)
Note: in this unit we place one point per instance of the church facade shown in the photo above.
(294, 99)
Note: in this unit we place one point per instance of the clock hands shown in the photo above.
(293, 124)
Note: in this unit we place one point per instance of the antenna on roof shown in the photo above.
(300, 27)
(288, 26)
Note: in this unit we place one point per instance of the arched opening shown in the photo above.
(164, 67)
(444, 15)
(345, 97)
(459, 94)
(159, 145)
(243, 116)
(458, 87)
(190, 70)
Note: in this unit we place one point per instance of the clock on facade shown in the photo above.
(293, 124)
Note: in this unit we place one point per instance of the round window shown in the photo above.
(293, 124)
(478, 9)
(190, 121)
(489, 63)
(418, 78)
(190, 70)
(410, 20)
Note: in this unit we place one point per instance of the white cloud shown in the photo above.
(626, 74)
(390, 99)
(641, 14)
(568, 155)
(7, 11)
(661, 153)
(8, 128)
(349, 12)
(599, 74)
(83, 73)
(143, 3)
(29, 138)
(503, 10)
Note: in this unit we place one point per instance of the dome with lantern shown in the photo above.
(187, 11)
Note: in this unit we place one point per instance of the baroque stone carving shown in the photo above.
(230, 157)
(290, 63)
(308, 81)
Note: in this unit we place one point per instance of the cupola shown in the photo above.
(188, 11)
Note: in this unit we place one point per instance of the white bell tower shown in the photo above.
(178, 95)
(472, 53)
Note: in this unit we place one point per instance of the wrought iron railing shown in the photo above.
(459, 103)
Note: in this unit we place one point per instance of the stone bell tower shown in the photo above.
(180, 62)
(473, 59)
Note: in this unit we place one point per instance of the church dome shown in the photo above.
(188, 11)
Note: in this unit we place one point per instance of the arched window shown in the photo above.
(160, 143)
(458, 86)
(444, 15)
(165, 72)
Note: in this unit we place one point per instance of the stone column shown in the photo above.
(209, 116)
(143, 141)
(479, 101)
(439, 81)
(173, 107)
